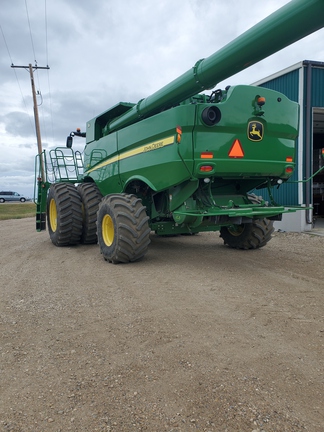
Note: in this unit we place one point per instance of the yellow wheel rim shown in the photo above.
(108, 231)
(236, 230)
(53, 215)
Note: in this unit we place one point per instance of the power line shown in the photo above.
(22, 96)
(6, 44)
(34, 52)
(30, 32)
(32, 42)
(48, 75)
(34, 68)
(46, 39)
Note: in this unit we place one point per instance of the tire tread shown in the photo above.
(131, 230)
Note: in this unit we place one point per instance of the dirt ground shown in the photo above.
(196, 336)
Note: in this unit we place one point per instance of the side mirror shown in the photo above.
(69, 141)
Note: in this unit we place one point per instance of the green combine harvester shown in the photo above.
(181, 161)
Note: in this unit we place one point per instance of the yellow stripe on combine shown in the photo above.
(143, 149)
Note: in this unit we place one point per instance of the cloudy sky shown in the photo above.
(101, 52)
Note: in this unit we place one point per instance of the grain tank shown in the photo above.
(182, 161)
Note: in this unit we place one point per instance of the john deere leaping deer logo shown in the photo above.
(255, 131)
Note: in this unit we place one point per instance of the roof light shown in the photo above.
(261, 101)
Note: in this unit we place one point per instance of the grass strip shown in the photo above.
(17, 210)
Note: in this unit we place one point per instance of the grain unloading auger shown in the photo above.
(182, 162)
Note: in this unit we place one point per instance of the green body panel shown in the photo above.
(153, 157)
(150, 153)
(264, 157)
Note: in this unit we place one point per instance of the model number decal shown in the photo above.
(153, 146)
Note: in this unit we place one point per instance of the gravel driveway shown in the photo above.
(196, 336)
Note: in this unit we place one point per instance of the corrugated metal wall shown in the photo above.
(288, 84)
(318, 86)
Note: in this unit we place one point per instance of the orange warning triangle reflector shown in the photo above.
(236, 151)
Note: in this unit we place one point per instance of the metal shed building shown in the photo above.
(303, 83)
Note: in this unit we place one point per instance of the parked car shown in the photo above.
(12, 196)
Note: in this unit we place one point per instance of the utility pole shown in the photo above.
(31, 69)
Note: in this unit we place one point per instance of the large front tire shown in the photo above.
(90, 197)
(248, 235)
(64, 214)
(123, 229)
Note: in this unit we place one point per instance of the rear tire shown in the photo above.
(123, 229)
(249, 235)
(64, 214)
(90, 197)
